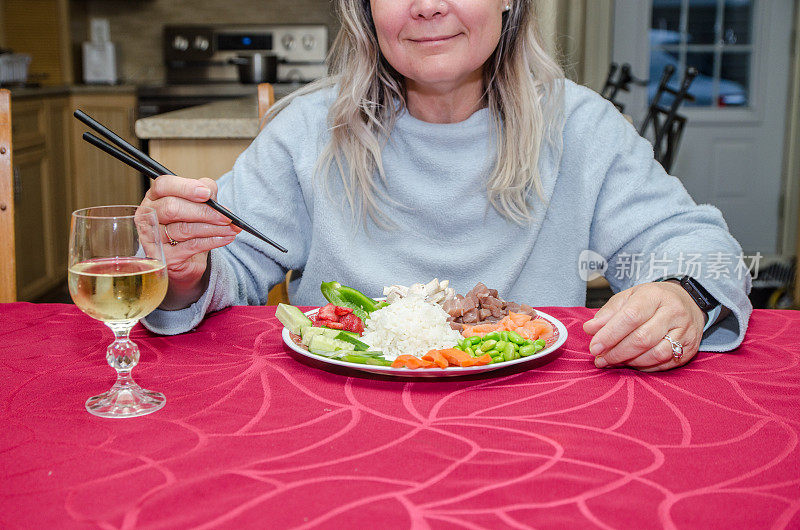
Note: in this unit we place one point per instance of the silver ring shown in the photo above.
(172, 242)
(677, 347)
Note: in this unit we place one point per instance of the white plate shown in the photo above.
(560, 338)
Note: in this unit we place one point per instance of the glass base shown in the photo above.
(125, 401)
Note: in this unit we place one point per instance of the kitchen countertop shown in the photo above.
(234, 118)
(227, 119)
(63, 90)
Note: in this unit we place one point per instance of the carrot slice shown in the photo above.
(436, 357)
(457, 357)
(409, 361)
(482, 360)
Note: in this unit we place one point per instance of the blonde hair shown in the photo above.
(523, 90)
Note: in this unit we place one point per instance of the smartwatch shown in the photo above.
(707, 303)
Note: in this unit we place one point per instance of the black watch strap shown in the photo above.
(698, 293)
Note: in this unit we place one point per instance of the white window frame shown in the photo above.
(753, 112)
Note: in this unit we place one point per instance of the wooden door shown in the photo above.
(731, 154)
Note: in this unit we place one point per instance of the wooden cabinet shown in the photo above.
(98, 178)
(34, 228)
(198, 158)
(40, 28)
(56, 172)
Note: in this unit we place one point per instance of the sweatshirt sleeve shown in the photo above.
(263, 189)
(647, 226)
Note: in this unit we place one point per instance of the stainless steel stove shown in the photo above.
(199, 69)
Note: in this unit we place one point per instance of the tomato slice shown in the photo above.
(352, 323)
(328, 312)
(341, 311)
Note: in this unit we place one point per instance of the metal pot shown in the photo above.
(256, 68)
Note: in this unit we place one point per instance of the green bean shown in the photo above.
(475, 339)
(497, 359)
(516, 338)
(487, 345)
(494, 335)
(540, 344)
(527, 350)
(501, 345)
(470, 351)
(504, 335)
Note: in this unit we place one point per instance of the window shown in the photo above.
(714, 36)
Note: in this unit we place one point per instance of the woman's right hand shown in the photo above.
(195, 226)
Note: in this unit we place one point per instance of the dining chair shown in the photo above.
(619, 83)
(663, 119)
(266, 98)
(8, 279)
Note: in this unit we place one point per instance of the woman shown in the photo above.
(446, 143)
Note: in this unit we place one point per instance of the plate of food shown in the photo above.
(423, 330)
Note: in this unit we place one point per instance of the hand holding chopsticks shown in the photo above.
(136, 159)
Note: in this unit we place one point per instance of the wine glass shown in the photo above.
(117, 274)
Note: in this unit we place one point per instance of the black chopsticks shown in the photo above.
(144, 164)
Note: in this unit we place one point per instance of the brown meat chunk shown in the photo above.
(480, 289)
(499, 313)
(470, 317)
(451, 307)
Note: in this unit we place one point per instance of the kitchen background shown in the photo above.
(56, 172)
(136, 26)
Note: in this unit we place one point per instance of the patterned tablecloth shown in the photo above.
(253, 436)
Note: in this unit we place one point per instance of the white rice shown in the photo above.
(409, 326)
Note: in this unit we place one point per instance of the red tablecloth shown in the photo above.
(252, 437)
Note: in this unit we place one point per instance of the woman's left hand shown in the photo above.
(629, 329)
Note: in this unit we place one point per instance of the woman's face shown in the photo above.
(438, 42)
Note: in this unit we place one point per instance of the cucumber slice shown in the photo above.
(323, 343)
(292, 318)
(307, 332)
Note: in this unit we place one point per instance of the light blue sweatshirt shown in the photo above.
(606, 194)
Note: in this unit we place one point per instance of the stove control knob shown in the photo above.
(180, 43)
(288, 41)
(309, 41)
(201, 43)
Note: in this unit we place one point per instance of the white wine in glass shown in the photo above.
(117, 274)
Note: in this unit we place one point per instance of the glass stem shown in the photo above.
(122, 354)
